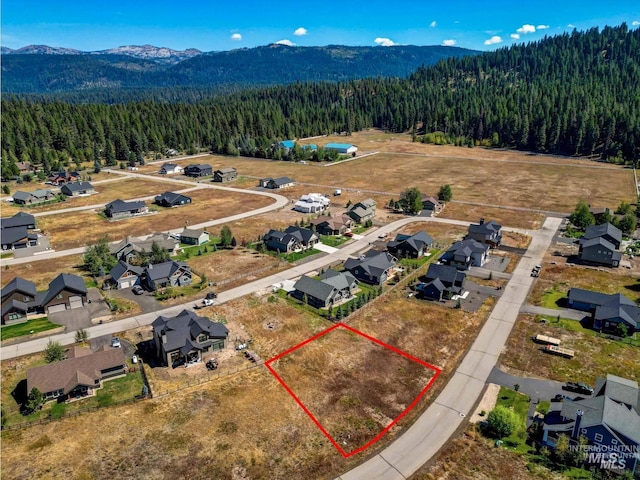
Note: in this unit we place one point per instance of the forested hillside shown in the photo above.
(91, 75)
(576, 94)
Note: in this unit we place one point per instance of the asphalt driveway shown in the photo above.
(537, 389)
(146, 301)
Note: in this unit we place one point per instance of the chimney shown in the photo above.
(576, 426)
(164, 338)
(482, 221)
(150, 266)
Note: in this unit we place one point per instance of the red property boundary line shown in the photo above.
(375, 340)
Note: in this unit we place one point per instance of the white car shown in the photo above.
(115, 342)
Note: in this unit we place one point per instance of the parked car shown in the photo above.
(115, 342)
(579, 387)
(137, 290)
(348, 234)
(558, 398)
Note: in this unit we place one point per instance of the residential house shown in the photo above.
(344, 148)
(312, 203)
(362, 211)
(77, 189)
(609, 420)
(130, 247)
(198, 170)
(170, 169)
(277, 183)
(607, 231)
(293, 239)
(431, 206)
(124, 275)
(192, 236)
(489, 233)
(332, 225)
(374, 267)
(33, 198)
(442, 282)
(171, 199)
(65, 292)
(224, 175)
(16, 233)
(599, 251)
(465, 254)
(166, 274)
(63, 177)
(330, 289)
(79, 375)
(26, 167)
(186, 337)
(306, 236)
(410, 246)
(608, 312)
(121, 209)
(18, 300)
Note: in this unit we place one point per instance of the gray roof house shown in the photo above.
(33, 198)
(442, 281)
(166, 274)
(374, 267)
(291, 240)
(362, 211)
(332, 288)
(223, 175)
(599, 251)
(431, 206)
(65, 292)
(20, 219)
(608, 311)
(121, 209)
(198, 170)
(486, 232)
(128, 248)
(466, 253)
(306, 236)
(609, 419)
(607, 231)
(172, 199)
(79, 374)
(192, 236)
(18, 300)
(124, 275)
(186, 337)
(77, 188)
(16, 234)
(410, 246)
(276, 183)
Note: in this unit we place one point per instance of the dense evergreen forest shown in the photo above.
(574, 94)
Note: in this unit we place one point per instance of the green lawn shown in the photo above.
(519, 403)
(551, 298)
(295, 256)
(576, 326)
(333, 240)
(36, 325)
(208, 248)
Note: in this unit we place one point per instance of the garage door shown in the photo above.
(57, 308)
(75, 302)
(127, 283)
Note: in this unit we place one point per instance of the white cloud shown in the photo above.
(448, 43)
(385, 42)
(542, 27)
(236, 37)
(286, 42)
(635, 23)
(433, 24)
(299, 32)
(493, 40)
(526, 28)
(515, 36)
(571, 25)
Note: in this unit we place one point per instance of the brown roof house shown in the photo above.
(184, 339)
(332, 225)
(128, 248)
(225, 175)
(79, 375)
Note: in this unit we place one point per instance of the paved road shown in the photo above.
(553, 312)
(439, 422)
(536, 388)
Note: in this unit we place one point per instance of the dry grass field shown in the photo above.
(594, 356)
(86, 227)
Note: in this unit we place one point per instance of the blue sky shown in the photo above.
(224, 25)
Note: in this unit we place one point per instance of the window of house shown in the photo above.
(202, 338)
(25, 299)
(614, 441)
(583, 431)
(59, 295)
(598, 437)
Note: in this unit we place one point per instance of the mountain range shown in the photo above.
(42, 69)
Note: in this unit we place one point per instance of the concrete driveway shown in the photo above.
(105, 341)
(73, 319)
